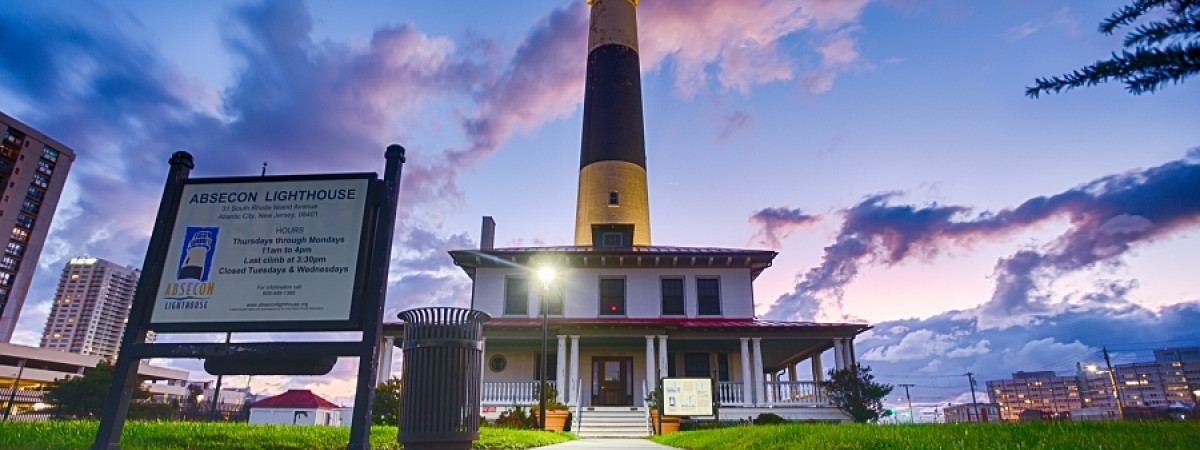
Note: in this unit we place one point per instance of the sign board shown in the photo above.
(687, 397)
(266, 254)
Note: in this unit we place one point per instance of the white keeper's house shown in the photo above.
(623, 312)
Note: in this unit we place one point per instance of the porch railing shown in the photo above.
(783, 393)
(795, 393)
(511, 392)
(729, 393)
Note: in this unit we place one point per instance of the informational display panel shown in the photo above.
(687, 397)
(263, 252)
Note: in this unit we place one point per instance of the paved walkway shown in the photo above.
(606, 443)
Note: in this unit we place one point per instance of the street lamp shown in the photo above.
(546, 274)
(1116, 390)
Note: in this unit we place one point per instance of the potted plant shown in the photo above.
(556, 413)
(669, 424)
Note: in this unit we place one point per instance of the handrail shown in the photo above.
(578, 404)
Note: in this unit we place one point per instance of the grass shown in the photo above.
(194, 435)
(1052, 435)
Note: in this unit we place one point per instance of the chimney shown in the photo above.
(487, 237)
(613, 208)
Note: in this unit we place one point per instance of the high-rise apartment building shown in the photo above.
(1171, 380)
(91, 307)
(33, 169)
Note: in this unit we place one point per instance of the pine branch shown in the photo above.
(1144, 70)
(1158, 32)
(1130, 13)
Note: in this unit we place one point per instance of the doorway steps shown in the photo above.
(613, 421)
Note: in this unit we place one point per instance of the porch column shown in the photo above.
(650, 379)
(818, 372)
(850, 356)
(385, 360)
(662, 356)
(746, 380)
(839, 355)
(483, 368)
(758, 371)
(560, 375)
(792, 372)
(574, 370)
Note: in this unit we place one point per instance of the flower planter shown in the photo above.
(670, 424)
(556, 420)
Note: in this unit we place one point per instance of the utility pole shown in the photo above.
(1112, 376)
(974, 402)
(911, 417)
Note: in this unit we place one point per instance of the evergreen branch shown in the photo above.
(1144, 70)
(1158, 32)
(1130, 13)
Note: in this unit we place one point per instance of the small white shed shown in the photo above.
(296, 407)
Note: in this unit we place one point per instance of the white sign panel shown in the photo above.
(687, 397)
(263, 252)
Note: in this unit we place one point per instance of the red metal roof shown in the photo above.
(295, 398)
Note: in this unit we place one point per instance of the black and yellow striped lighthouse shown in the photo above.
(613, 210)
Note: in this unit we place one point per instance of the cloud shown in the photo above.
(779, 223)
(739, 41)
(942, 348)
(1107, 217)
(1061, 19)
(734, 122)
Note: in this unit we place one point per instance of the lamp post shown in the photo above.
(546, 274)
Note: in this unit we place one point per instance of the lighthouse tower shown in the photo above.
(613, 210)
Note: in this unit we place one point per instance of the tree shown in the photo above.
(386, 409)
(83, 397)
(1156, 53)
(854, 391)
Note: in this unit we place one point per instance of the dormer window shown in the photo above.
(612, 236)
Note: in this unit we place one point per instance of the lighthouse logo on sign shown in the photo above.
(192, 289)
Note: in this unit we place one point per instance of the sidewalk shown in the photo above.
(606, 443)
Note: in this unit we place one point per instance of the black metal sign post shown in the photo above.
(116, 404)
(368, 359)
(365, 308)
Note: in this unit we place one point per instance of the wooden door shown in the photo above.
(612, 381)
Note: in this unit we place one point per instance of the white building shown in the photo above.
(622, 312)
(972, 412)
(91, 307)
(34, 370)
(297, 407)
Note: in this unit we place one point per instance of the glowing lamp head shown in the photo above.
(1092, 368)
(546, 274)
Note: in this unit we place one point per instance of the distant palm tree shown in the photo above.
(1156, 53)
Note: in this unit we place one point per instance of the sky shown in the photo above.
(885, 149)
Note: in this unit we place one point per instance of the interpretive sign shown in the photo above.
(687, 397)
(259, 253)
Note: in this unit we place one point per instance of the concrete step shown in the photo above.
(613, 422)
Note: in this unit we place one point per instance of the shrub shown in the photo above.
(516, 418)
(768, 419)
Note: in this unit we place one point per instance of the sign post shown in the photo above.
(281, 253)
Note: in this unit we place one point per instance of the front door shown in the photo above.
(612, 381)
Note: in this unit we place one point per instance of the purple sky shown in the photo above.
(884, 148)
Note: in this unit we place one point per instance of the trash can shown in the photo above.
(443, 374)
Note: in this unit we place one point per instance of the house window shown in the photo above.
(614, 198)
(516, 296)
(612, 296)
(612, 236)
(672, 297)
(708, 296)
(553, 299)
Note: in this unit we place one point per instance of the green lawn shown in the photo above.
(189, 435)
(1050, 435)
